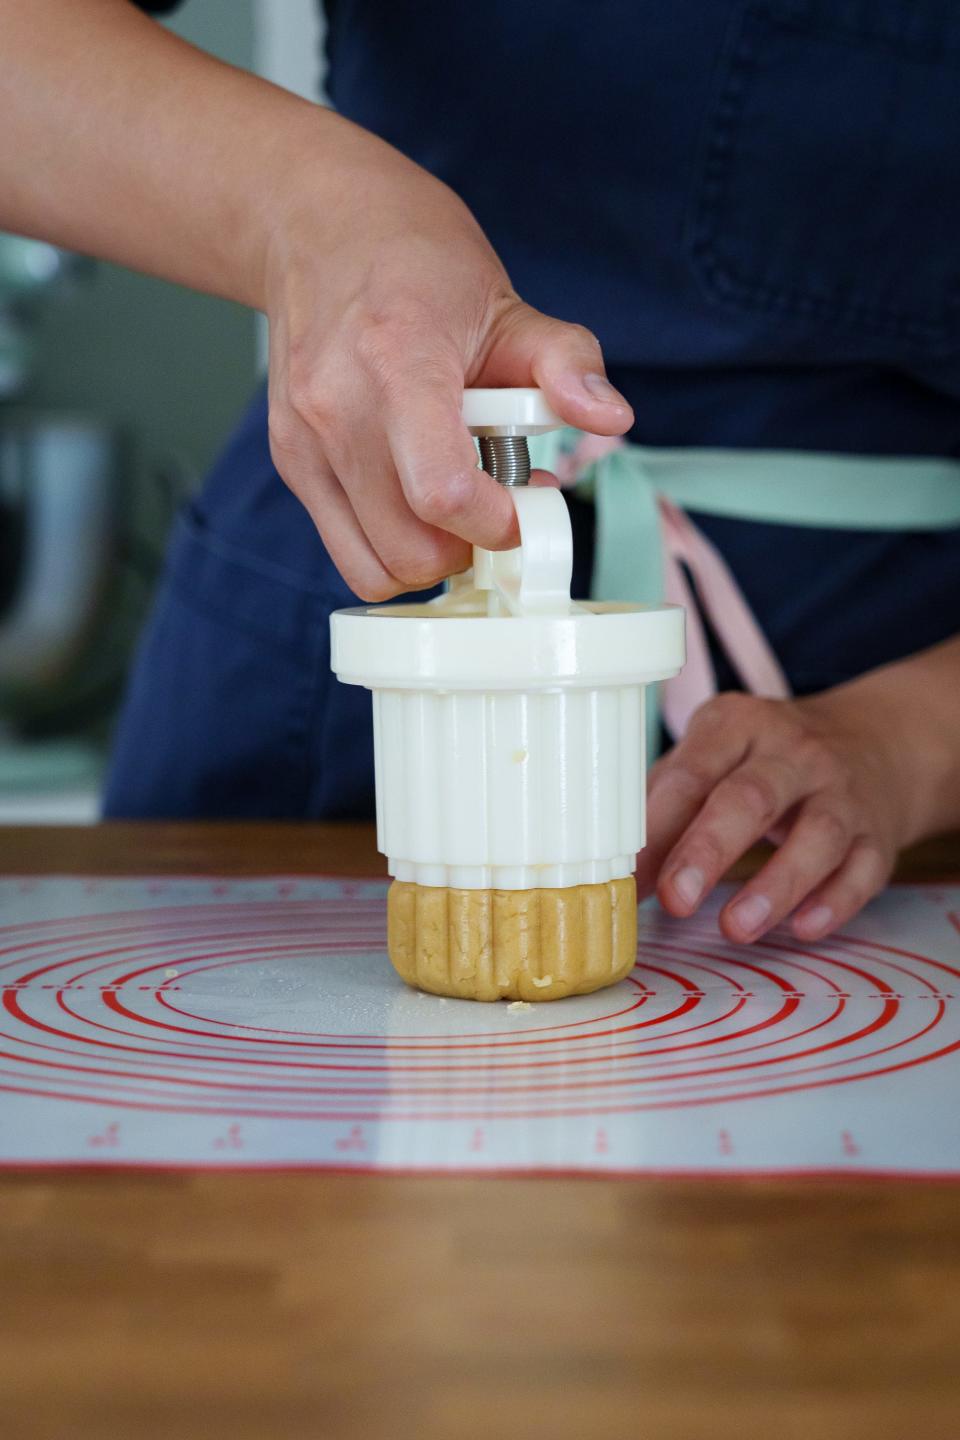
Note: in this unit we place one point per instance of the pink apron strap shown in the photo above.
(733, 623)
(717, 591)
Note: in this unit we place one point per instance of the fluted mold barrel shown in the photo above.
(509, 750)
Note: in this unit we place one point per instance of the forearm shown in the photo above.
(122, 141)
(913, 706)
(383, 294)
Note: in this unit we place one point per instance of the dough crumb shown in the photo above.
(519, 1005)
(541, 980)
(171, 974)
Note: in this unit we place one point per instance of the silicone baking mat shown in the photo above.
(201, 1022)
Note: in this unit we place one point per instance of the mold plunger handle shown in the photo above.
(535, 578)
(516, 411)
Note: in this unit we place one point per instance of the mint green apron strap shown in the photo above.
(840, 492)
(628, 554)
(790, 487)
(912, 493)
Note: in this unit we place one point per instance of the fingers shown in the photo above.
(348, 546)
(565, 361)
(749, 769)
(302, 467)
(862, 875)
(416, 553)
(437, 465)
(386, 423)
(715, 744)
(814, 848)
(674, 798)
(409, 387)
(738, 812)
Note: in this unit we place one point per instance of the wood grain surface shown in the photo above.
(273, 1307)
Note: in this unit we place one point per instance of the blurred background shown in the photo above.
(115, 393)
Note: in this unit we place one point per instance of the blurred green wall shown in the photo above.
(169, 365)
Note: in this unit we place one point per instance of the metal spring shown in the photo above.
(506, 458)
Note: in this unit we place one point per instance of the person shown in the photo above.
(749, 211)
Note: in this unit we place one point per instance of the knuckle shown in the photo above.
(443, 499)
(376, 345)
(709, 715)
(710, 852)
(755, 794)
(311, 399)
(817, 760)
(729, 708)
(831, 830)
(584, 336)
(383, 338)
(691, 777)
(872, 866)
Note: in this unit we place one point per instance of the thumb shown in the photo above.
(527, 347)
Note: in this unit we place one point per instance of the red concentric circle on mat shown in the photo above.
(252, 1002)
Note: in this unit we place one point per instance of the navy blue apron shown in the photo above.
(753, 205)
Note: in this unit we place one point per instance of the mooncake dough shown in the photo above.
(512, 944)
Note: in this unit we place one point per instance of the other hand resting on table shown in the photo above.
(839, 782)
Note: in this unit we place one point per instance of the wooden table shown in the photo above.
(193, 1307)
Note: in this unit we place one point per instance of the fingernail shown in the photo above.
(814, 922)
(688, 883)
(601, 389)
(750, 913)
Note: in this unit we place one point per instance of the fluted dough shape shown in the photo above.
(512, 944)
